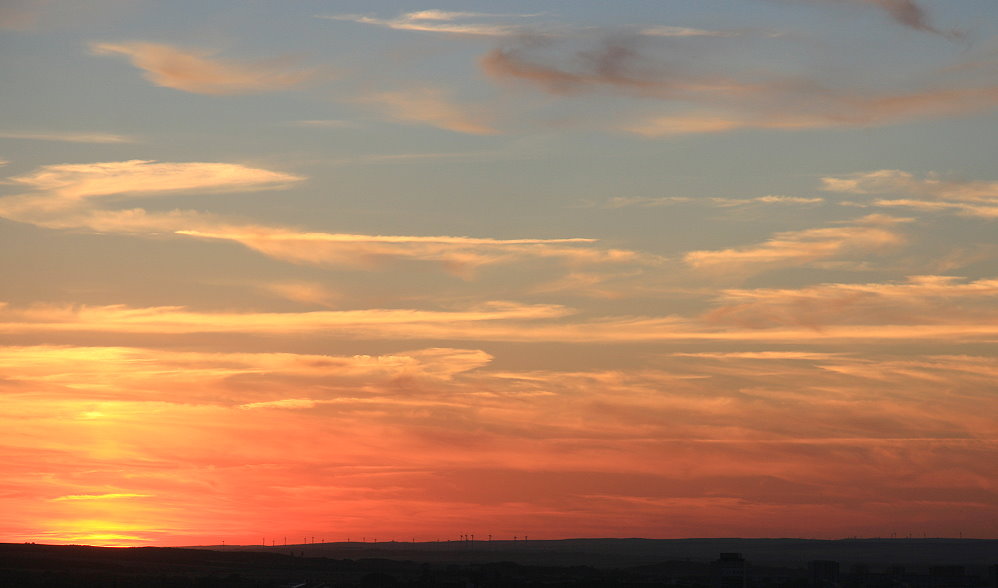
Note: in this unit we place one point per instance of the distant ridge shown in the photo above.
(567, 562)
(610, 552)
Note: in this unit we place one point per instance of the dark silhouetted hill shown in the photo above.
(771, 563)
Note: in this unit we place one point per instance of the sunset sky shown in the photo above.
(361, 268)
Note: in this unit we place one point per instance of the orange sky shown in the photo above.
(382, 270)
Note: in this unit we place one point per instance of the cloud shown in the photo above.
(775, 355)
(613, 65)
(35, 15)
(722, 122)
(669, 31)
(470, 24)
(972, 198)
(808, 106)
(68, 137)
(905, 12)
(292, 403)
(196, 71)
(495, 321)
(457, 254)
(24, 15)
(234, 379)
(705, 95)
(920, 300)
(430, 106)
(964, 208)
(146, 177)
(420, 435)
(646, 202)
(304, 292)
(870, 234)
(67, 195)
(403, 323)
(109, 496)
(440, 21)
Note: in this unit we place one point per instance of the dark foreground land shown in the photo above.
(689, 563)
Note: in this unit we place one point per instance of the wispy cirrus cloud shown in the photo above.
(198, 71)
(233, 379)
(19, 14)
(107, 496)
(972, 198)
(870, 234)
(774, 355)
(69, 197)
(803, 109)
(673, 31)
(963, 208)
(495, 321)
(68, 137)
(647, 202)
(147, 177)
(458, 254)
(304, 292)
(484, 25)
(442, 21)
(920, 300)
(431, 106)
(696, 123)
(403, 322)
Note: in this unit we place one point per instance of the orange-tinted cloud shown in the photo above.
(494, 321)
(802, 109)
(66, 196)
(892, 181)
(236, 379)
(507, 450)
(431, 106)
(971, 198)
(458, 254)
(920, 300)
(109, 496)
(68, 137)
(871, 234)
(440, 21)
(19, 14)
(366, 323)
(721, 122)
(146, 177)
(645, 202)
(304, 292)
(198, 72)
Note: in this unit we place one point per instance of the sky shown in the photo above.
(392, 270)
